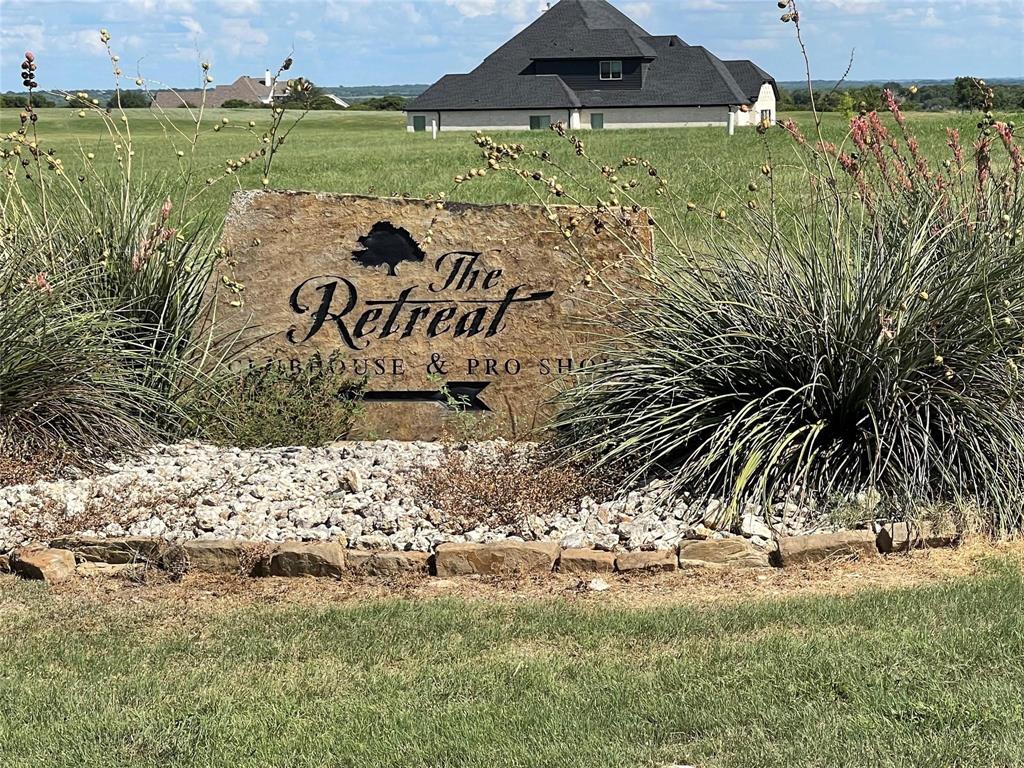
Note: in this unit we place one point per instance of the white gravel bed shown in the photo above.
(362, 492)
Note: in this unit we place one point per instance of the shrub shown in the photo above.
(65, 384)
(503, 484)
(278, 405)
(19, 101)
(381, 104)
(103, 276)
(237, 104)
(128, 100)
(865, 336)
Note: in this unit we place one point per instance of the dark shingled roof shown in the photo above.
(750, 77)
(676, 74)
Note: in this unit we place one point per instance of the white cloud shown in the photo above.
(165, 6)
(239, 7)
(185, 53)
(856, 7)
(411, 13)
(931, 21)
(523, 10)
(474, 8)
(517, 10)
(23, 37)
(87, 40)
(637, 10)
(240, 36)
(348, 10)
(134, 41)
(194, 27)
(704, 5)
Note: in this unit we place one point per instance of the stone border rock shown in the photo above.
(68, 556)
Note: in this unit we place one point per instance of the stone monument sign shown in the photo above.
(458, 309)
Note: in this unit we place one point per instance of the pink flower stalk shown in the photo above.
(915, 152)
(1006, 134)
(983, 160)
(40, 282)
(141, 255)
(880, 131)
(894, 107)
(877, 136)
(794, 131)
(860, 132)
(853, 169)
(953, 142)
(165, 210)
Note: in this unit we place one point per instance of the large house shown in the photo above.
(586, 64)
(253, 90)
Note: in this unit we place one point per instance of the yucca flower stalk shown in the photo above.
(861, 338)
(124, 259)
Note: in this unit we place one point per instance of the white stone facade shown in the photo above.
(584, 119)
(765, 106)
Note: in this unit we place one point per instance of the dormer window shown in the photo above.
(611, 70)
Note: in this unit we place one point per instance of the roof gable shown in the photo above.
(676, 74)
(750, 77)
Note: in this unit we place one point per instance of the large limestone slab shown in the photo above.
(483, 308)
(586, 561)
(722, 553)
(321, 559)
(795, 550)
(122, 551)
(387, 564)
(904, 536)
(496, 559)
(49, 565)
(658, 560)
(219, 556)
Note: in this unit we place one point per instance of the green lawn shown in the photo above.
(913, 677)
(370, 153)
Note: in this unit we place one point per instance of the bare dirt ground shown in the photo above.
(690, 587)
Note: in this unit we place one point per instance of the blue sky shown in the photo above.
(363, 42)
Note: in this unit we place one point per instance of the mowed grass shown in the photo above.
(911, 677)
(370, 153)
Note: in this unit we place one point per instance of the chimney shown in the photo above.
(267, 79)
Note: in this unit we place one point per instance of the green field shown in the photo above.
(874, 670)
(921, 677)
(370, 153)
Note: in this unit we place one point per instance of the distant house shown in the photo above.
(254, 90)
(338, 100)
(588, 65)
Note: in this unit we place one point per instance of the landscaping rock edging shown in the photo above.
(364, 492)
(85, 556)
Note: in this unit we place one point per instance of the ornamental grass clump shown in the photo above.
(863, 338)
(104, 271)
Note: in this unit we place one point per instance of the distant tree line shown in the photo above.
(382, 104)
(318, 99)
(965, 93)
(315, 98)
(129, 100)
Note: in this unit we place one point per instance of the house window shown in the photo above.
(596, 120)
(766, 114)
(419, 123)
(611, 70)
(540, 122)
